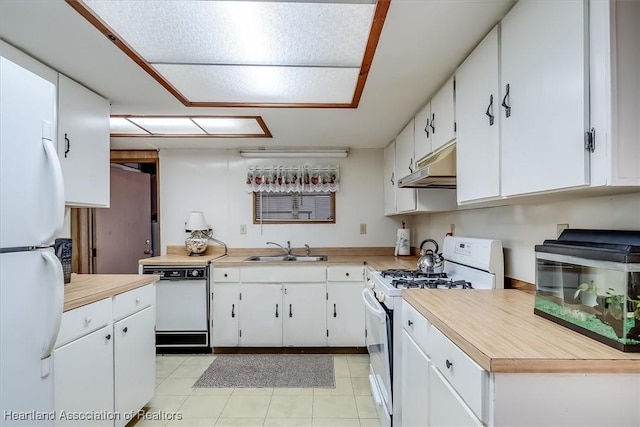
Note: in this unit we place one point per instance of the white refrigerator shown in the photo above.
(31, 277)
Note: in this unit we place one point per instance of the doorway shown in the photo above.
(111, 241)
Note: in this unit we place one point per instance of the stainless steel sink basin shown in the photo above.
(283, 258)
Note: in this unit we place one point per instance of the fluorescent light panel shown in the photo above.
(294, 153)
(188, 126)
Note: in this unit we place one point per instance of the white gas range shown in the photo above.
(469, 263)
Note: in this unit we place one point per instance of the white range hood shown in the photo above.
(438, 170)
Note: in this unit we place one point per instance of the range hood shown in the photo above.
(438, 170)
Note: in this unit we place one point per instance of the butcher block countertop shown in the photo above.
(375, 262)
(87, 288)
(500, 332)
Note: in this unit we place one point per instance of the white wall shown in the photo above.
(213, 181)
(521, 227)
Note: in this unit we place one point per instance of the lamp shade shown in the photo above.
(196, 221)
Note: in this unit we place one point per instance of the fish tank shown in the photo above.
(589, 281)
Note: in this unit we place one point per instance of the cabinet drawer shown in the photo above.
(83, 320)
(345, 274)
(468, 379)
(225, 274)
(133, 301)
(416, 326)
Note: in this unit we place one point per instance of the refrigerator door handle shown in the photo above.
(57, 212)
(57, 303)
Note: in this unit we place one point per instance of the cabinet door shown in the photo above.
(405, 164)
(262, 326)
(83, 379)
(422, 132)
(345, 314)
(544, 68)
(446, 408)
(305, 309)
(390, 179)
(442, 116)
(225, 314)
(478, 143)
(134, 361)
(83, 144)
(415, 384)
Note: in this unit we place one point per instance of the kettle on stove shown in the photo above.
(430, 261)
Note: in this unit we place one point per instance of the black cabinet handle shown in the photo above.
(505, 100)
(433, 119)
(67, 145)
(108, 337)
(392, 182)
(490, 110)
(409, 322)
(125, 329)
(426, 128)
(290, 313)
(411, 163)
(233, 310)
(449, 364)
(277, 315)
(335, 314)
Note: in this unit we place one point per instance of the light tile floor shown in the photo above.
(348, 404)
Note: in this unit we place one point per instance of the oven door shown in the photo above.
(379, 346)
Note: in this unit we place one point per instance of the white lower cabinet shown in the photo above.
(83, 365)
(134, 362)
(446, 408)
(345, 308)
(225, 314)
(261, 326)
(104, 360)
(415, 384)
(304, 323)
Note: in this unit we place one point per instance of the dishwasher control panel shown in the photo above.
(175, 273)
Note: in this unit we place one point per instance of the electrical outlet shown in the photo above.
(363, 228)
(561, 227)
(243, 228)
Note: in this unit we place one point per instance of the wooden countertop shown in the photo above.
(500, 332)
(87, 288)
(376, 262)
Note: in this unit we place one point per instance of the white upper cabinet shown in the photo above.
(478, 123)
(83, 144)
(422, 132)
(544, 92)
(405, 165)
(389, 185)
(442, 124)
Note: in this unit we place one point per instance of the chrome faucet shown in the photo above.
(308, 249)
(287, 250)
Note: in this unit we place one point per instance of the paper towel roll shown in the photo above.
(403, 242)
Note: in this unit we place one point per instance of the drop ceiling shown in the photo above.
(420, 46)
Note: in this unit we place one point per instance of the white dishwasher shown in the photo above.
(182, 307)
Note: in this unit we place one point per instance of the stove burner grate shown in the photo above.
(430, 284)
(411, 274)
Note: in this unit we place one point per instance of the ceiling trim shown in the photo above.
(380, 14)
(266, 132)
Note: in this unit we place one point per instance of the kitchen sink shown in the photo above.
(283, 258)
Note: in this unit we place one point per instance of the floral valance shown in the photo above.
(289, 179)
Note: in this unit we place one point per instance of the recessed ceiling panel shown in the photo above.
(168, 125)
(242, 84)
(307, 53)
(122, 125)
(241, 32)
(229, 125)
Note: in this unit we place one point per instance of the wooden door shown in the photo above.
(123, 231)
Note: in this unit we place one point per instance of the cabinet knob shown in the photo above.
(87, 320)
(449, 364)
(226, 275)
(125, 329)
(409, 322)
(108, 337)
(346, 274)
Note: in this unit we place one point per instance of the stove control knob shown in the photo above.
(194, 273)
(380, 297)
(370, 284)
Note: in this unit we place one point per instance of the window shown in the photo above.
(294, 207)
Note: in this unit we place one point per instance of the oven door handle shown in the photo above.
(373, 305)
